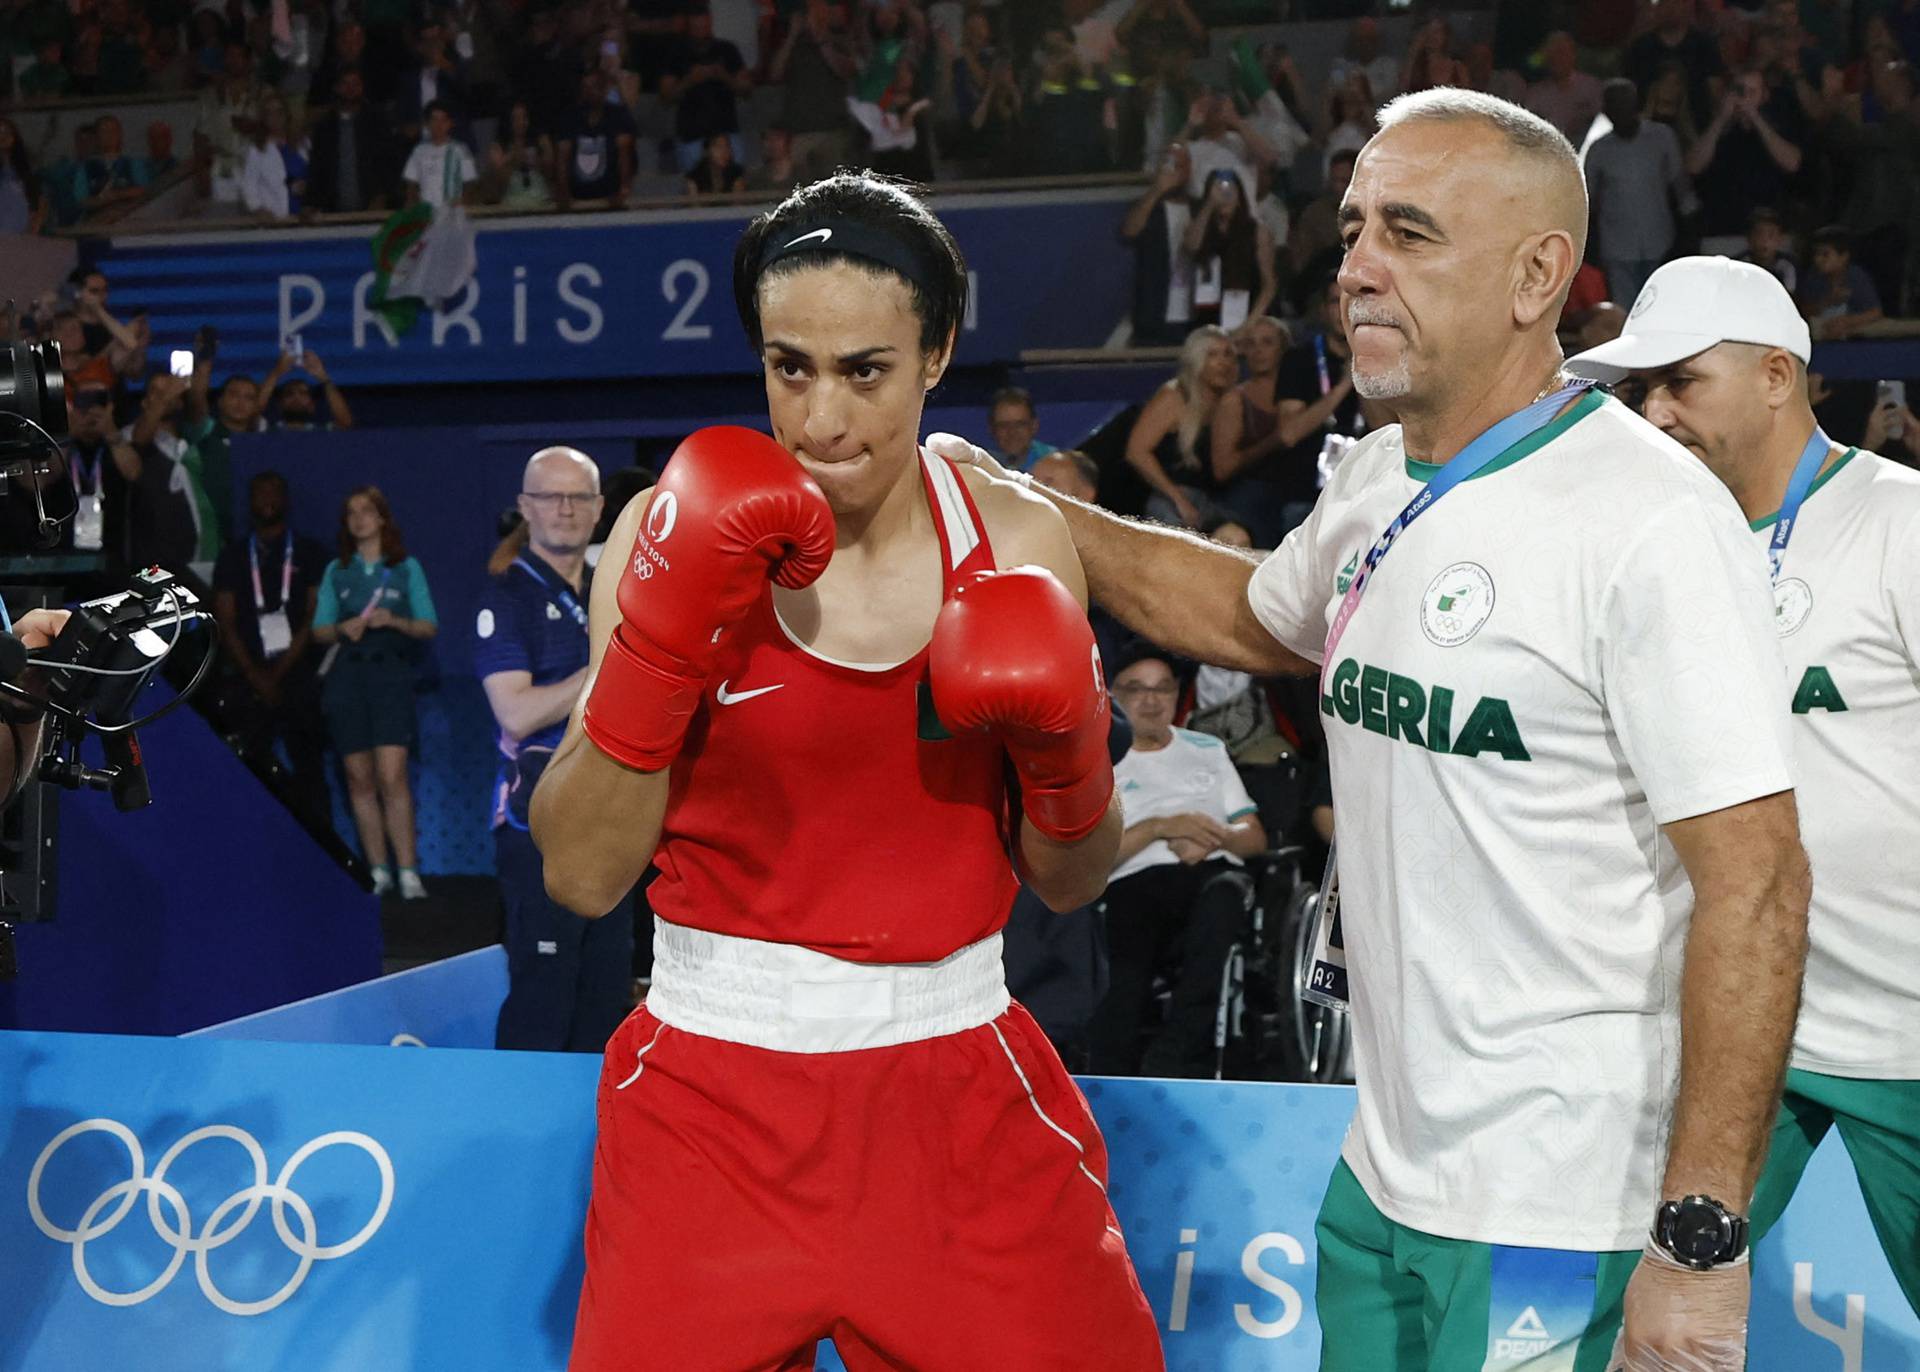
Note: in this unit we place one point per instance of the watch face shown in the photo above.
(1699, 1234)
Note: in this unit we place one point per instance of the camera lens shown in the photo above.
(32, 386)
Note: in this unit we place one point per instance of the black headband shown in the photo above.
(852, 239)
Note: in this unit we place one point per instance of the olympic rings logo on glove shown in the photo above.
(179, 1233)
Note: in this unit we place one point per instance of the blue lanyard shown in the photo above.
(561, 591)
(1320, 362)
(1812, 458)
(1467, 462)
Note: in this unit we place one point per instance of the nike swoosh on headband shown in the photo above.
(822, 234)
(724, 697)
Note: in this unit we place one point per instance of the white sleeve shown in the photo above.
(1235, 803)
(1289, 590)
(1694, 684)
(469, 171)
(413, 168)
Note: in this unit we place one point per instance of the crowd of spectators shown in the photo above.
(1786, 132)
(1692, 119)
(549, 101)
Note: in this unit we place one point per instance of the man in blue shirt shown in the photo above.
(568, 978)
(1015, 424)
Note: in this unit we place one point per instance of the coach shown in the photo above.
(1574, 894)
(1716, 355)
(569, 979)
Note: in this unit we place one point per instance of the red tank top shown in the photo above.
(809, 805)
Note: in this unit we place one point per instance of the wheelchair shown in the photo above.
(1265, 1029)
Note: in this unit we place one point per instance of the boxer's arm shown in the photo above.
(1176, 589)
(1026, 530)
(595, 821)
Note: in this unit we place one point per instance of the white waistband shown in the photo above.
(796, 1000)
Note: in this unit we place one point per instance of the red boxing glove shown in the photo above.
(733, 509)
(1012, 652)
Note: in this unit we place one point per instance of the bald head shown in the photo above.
(560, 500)
(560, 460)
(1464, 225)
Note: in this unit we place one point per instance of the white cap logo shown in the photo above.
(1648, 295)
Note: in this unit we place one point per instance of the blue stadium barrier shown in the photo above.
(210, 904)
(347, 1208)
(447, 1004)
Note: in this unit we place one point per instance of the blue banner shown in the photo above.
(197, 1203)
(629, 295)
(452, 1003)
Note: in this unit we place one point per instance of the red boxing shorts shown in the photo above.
(793, 1147)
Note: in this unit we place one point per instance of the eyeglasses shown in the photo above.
(560, 500)
(1170, 690)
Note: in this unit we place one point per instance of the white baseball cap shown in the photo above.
(1690, 305)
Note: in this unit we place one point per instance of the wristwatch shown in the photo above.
(1699, 1232)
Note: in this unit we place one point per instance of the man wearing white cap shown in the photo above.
(1715, 354)
(1572, 890)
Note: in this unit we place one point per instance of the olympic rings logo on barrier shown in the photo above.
(180, 1234)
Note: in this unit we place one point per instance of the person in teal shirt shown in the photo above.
(373, 610)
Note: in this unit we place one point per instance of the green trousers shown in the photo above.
(1879, 1122)
(1394, 1299)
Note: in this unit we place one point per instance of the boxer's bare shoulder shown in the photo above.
(1025, 528)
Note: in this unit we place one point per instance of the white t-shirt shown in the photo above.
(1566, 652)
(1205, 156)
(263, 181)
(440, 171)
(1191, 775)
(1847, 610)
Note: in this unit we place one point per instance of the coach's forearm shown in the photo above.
(1067, 876)
(1740, 995)
(596, 823)
(1176, 589)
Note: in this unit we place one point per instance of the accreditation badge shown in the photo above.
(1326, 979)
(276, 633)
(90, 524)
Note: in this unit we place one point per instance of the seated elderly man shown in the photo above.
(1178, 892)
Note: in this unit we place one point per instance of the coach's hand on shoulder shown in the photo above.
(733, 510)
(1682, 1320)
(957, 449)
(1012, 652)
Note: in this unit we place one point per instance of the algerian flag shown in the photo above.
(421, 256)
